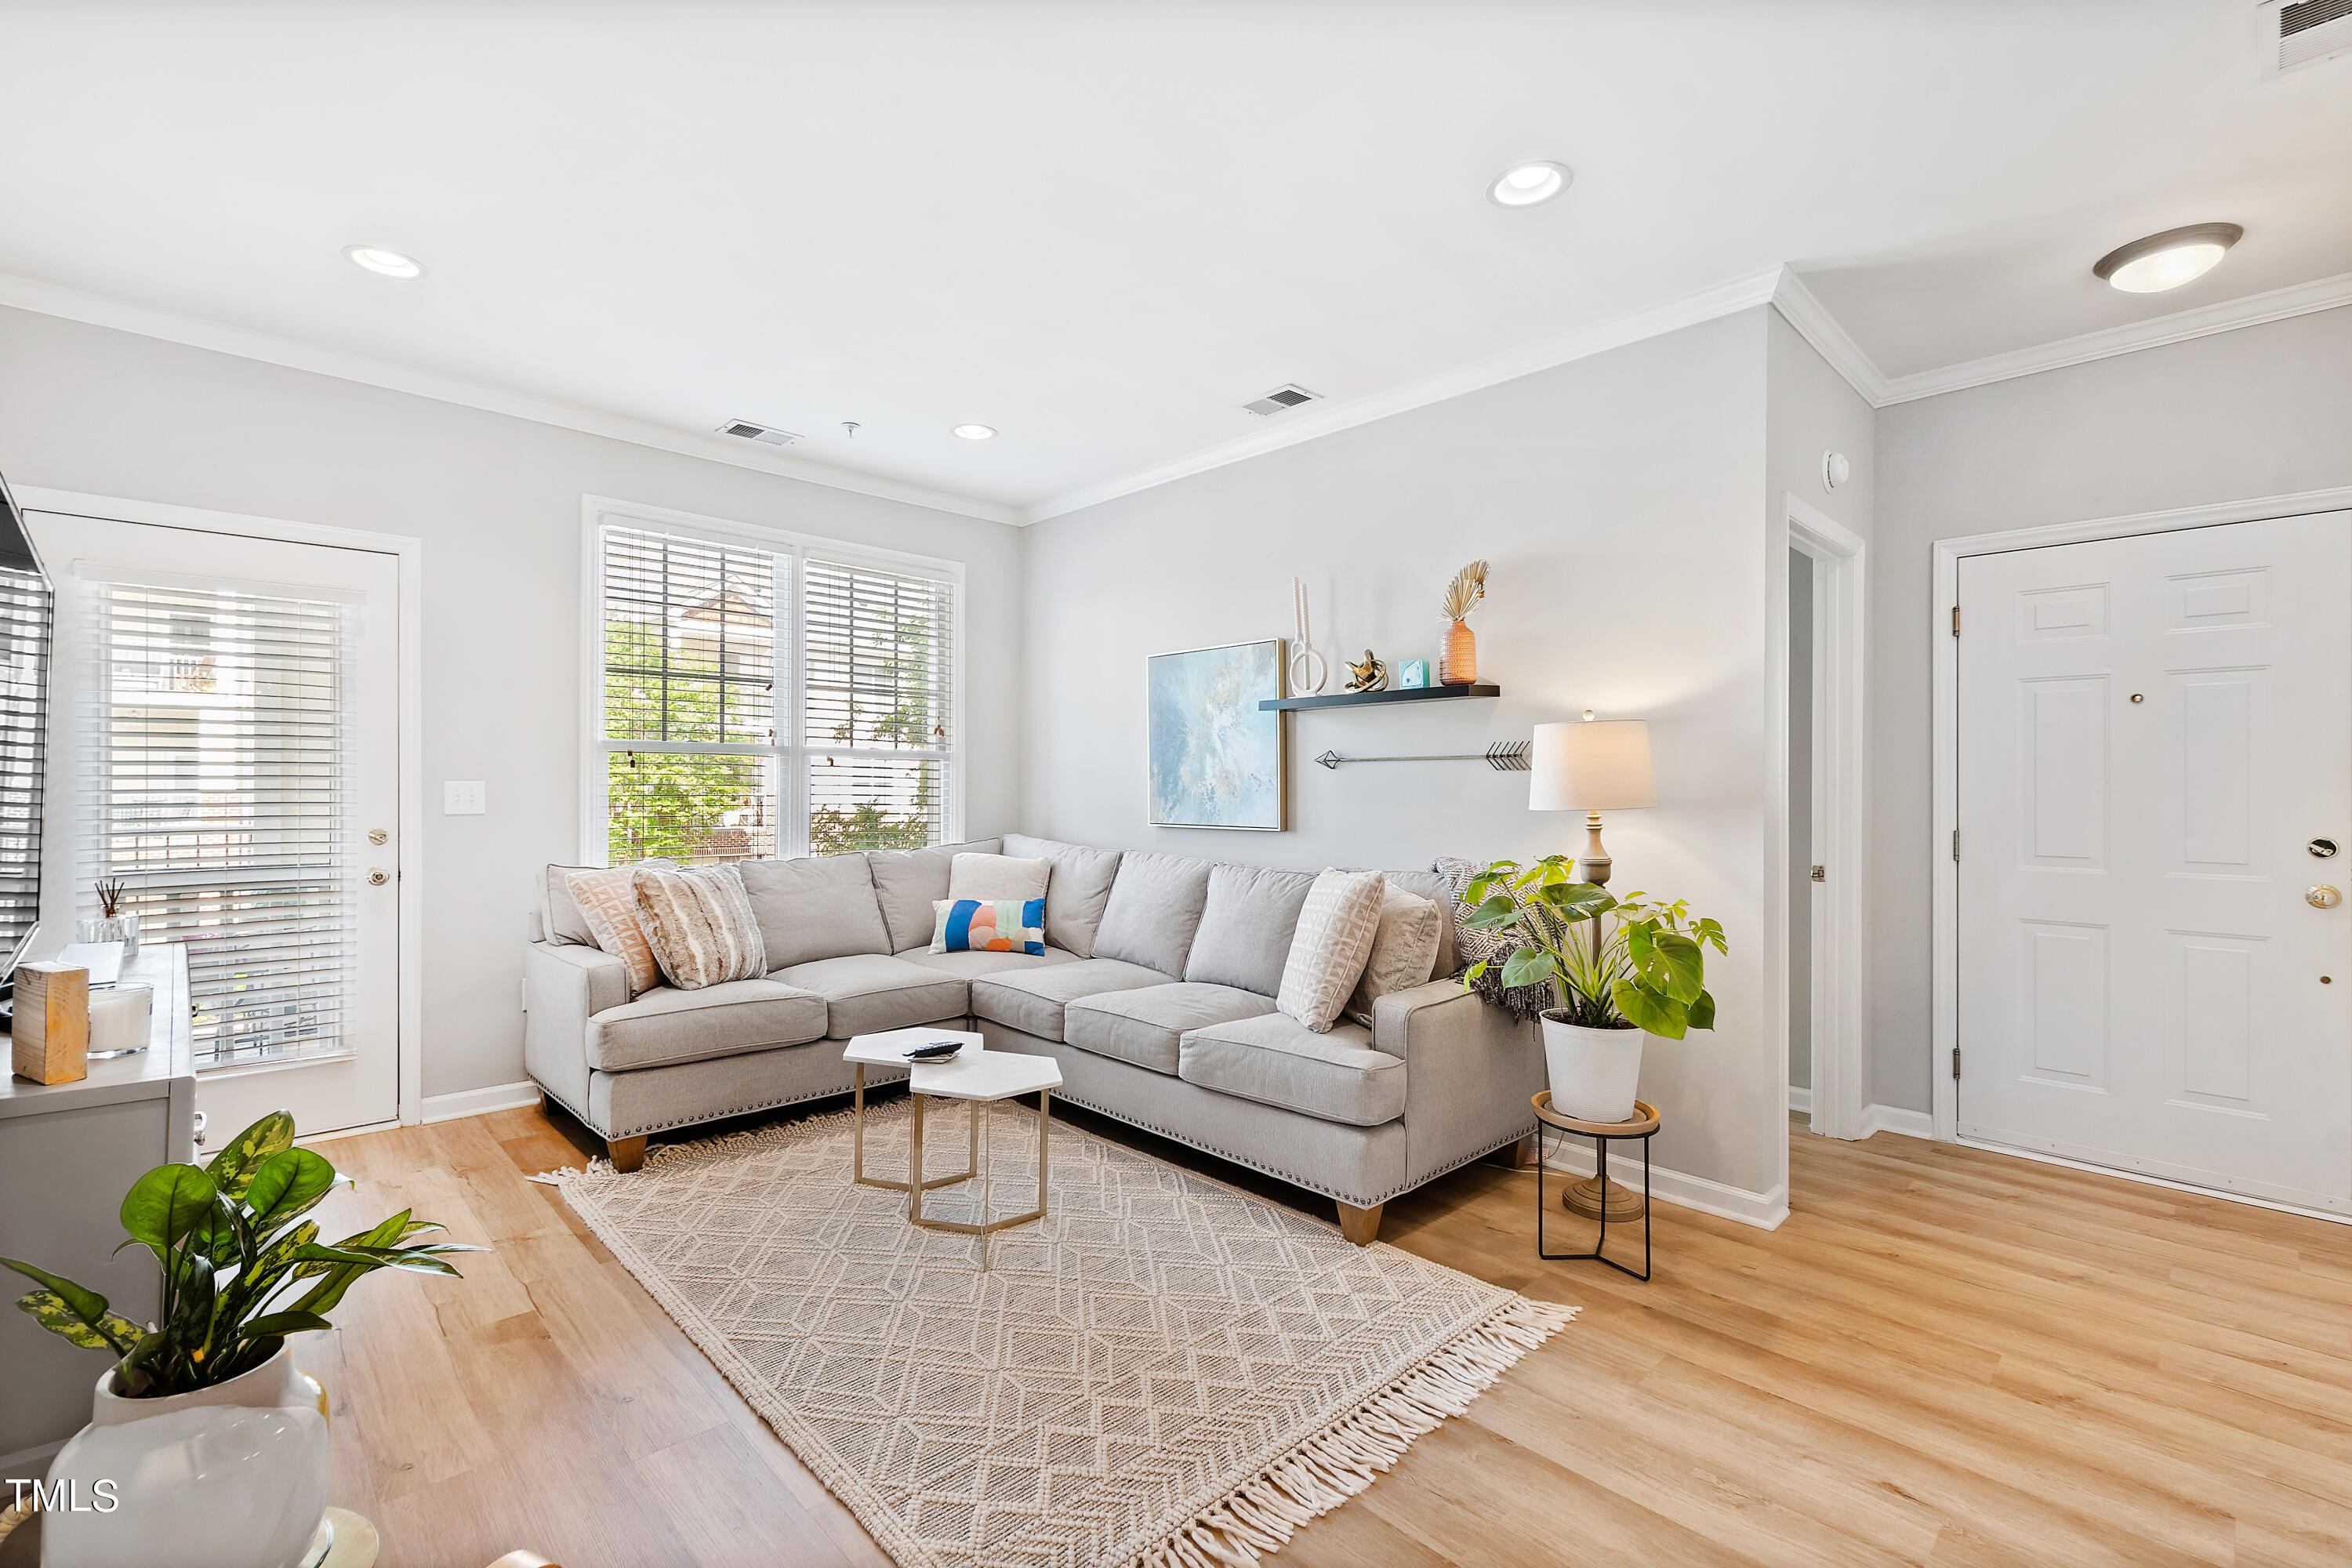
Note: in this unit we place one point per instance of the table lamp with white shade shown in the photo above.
(1591, 766)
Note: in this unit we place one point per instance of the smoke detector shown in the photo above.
(766, 435)
(1280, 398)
(2291, 34)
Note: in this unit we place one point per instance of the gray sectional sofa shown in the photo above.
(1155, 994)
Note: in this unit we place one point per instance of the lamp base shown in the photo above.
(1592, 865)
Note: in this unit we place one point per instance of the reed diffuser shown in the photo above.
(113, 923)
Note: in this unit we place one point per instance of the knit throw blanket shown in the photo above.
(1485, 946)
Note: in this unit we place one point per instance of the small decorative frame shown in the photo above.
(1413, 675)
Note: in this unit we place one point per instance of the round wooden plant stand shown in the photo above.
(1597, 1197)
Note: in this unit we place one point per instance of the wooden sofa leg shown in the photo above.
(627, 1153)
(1518, 1156)
(1361, 1226)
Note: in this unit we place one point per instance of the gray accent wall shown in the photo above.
(1620, 503)
(2258, 412)
(497, 501)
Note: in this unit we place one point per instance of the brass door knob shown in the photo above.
(2322, 897)
(379, 876)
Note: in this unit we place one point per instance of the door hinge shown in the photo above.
(1821, 873)
(1956, 843)
(1956, 1061)
(1956, 620)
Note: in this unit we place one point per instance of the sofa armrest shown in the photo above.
(1471, 1070)
(566, 986)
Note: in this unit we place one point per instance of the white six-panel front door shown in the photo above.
(2155, 734)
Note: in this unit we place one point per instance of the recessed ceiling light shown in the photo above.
(1529, 185)
(389, 262)
(2167, 261)
(977, 432)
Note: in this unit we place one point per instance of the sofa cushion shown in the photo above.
(1404, 950)
(1033, 1000)
(973, 965)
(907, 881)
(1076, 892)
(1275, 1060)
(1146, 1026)
(1154, 909)
(867, 992)
(1246, 926)
(1335, 937)
(999, 878)
(666, 1026)
(813, 908)
(1433, 886)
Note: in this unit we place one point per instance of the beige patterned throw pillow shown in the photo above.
(699, 925)
(608, 902)
(1404, 951)
(1334, 938)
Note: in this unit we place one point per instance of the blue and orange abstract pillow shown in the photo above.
(988, 925)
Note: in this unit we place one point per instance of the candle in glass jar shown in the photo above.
(119, 1019)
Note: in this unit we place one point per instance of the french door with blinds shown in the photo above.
(756, 696)
(225, 740)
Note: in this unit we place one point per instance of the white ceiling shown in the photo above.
(1102, 228)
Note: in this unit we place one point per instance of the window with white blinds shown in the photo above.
(25, 605)
(216, 792)
(762, 700)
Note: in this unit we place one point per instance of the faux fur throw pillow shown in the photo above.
(699, 924)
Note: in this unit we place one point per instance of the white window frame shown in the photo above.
(791, 747)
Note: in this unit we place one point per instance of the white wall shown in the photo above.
(1620, 503)
(2264, 411)
(497, 502)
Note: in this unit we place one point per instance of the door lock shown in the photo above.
(379, 876)
(2322, 896)
(377, 835)
(2321, 848)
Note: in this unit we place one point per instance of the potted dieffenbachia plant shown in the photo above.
(242, 1268)
(1621, 970)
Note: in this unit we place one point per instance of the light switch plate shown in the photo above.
(462, 797)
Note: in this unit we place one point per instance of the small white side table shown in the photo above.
(889, 1049)
(980, 1076)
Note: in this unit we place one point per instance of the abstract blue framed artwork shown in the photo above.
(1216, 761)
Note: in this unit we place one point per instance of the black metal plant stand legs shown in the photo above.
(1600, 1143)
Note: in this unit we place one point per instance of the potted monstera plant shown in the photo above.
(213, 1447)
(1621, 971)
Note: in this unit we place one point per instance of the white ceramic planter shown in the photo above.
(1594, 1072)
(229, 1477)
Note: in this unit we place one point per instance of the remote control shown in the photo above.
(938, 1050)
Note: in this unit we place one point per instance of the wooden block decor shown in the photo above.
(52, 1023)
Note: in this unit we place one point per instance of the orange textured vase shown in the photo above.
(1458, 664)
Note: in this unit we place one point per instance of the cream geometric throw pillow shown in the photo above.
(608, 902)
(1404, 951)
(1334, 938)
(699, 925)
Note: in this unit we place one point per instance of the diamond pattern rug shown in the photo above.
(1166, 1371)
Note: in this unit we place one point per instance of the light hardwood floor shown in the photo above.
(1944, 1356)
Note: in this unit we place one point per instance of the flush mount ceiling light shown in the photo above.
(977, 432)
(381, 259)
(2167, 261)
(1529, 184)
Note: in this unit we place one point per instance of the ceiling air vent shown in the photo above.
(2293, 33)
(1280, 398)
(766, 435)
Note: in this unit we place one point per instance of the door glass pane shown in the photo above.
(692, 806)
(217, 796)
(874, 803)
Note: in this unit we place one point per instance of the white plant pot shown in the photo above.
(1594, 1072)
(234, 1476)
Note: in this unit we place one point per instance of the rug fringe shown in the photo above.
(1261, 1514)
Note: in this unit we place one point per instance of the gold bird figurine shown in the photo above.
(1370, 676)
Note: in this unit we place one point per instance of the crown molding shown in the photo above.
(2229, 316)
(1813, 322)
(73, 305)
(1324, 419)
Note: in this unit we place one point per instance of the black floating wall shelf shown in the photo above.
(1368, 698)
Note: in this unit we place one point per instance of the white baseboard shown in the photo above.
(1800, 1100)
(1763, 1210)
(479, 1102)
(1897, 1118)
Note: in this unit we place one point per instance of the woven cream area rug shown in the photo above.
(1166, 1371)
